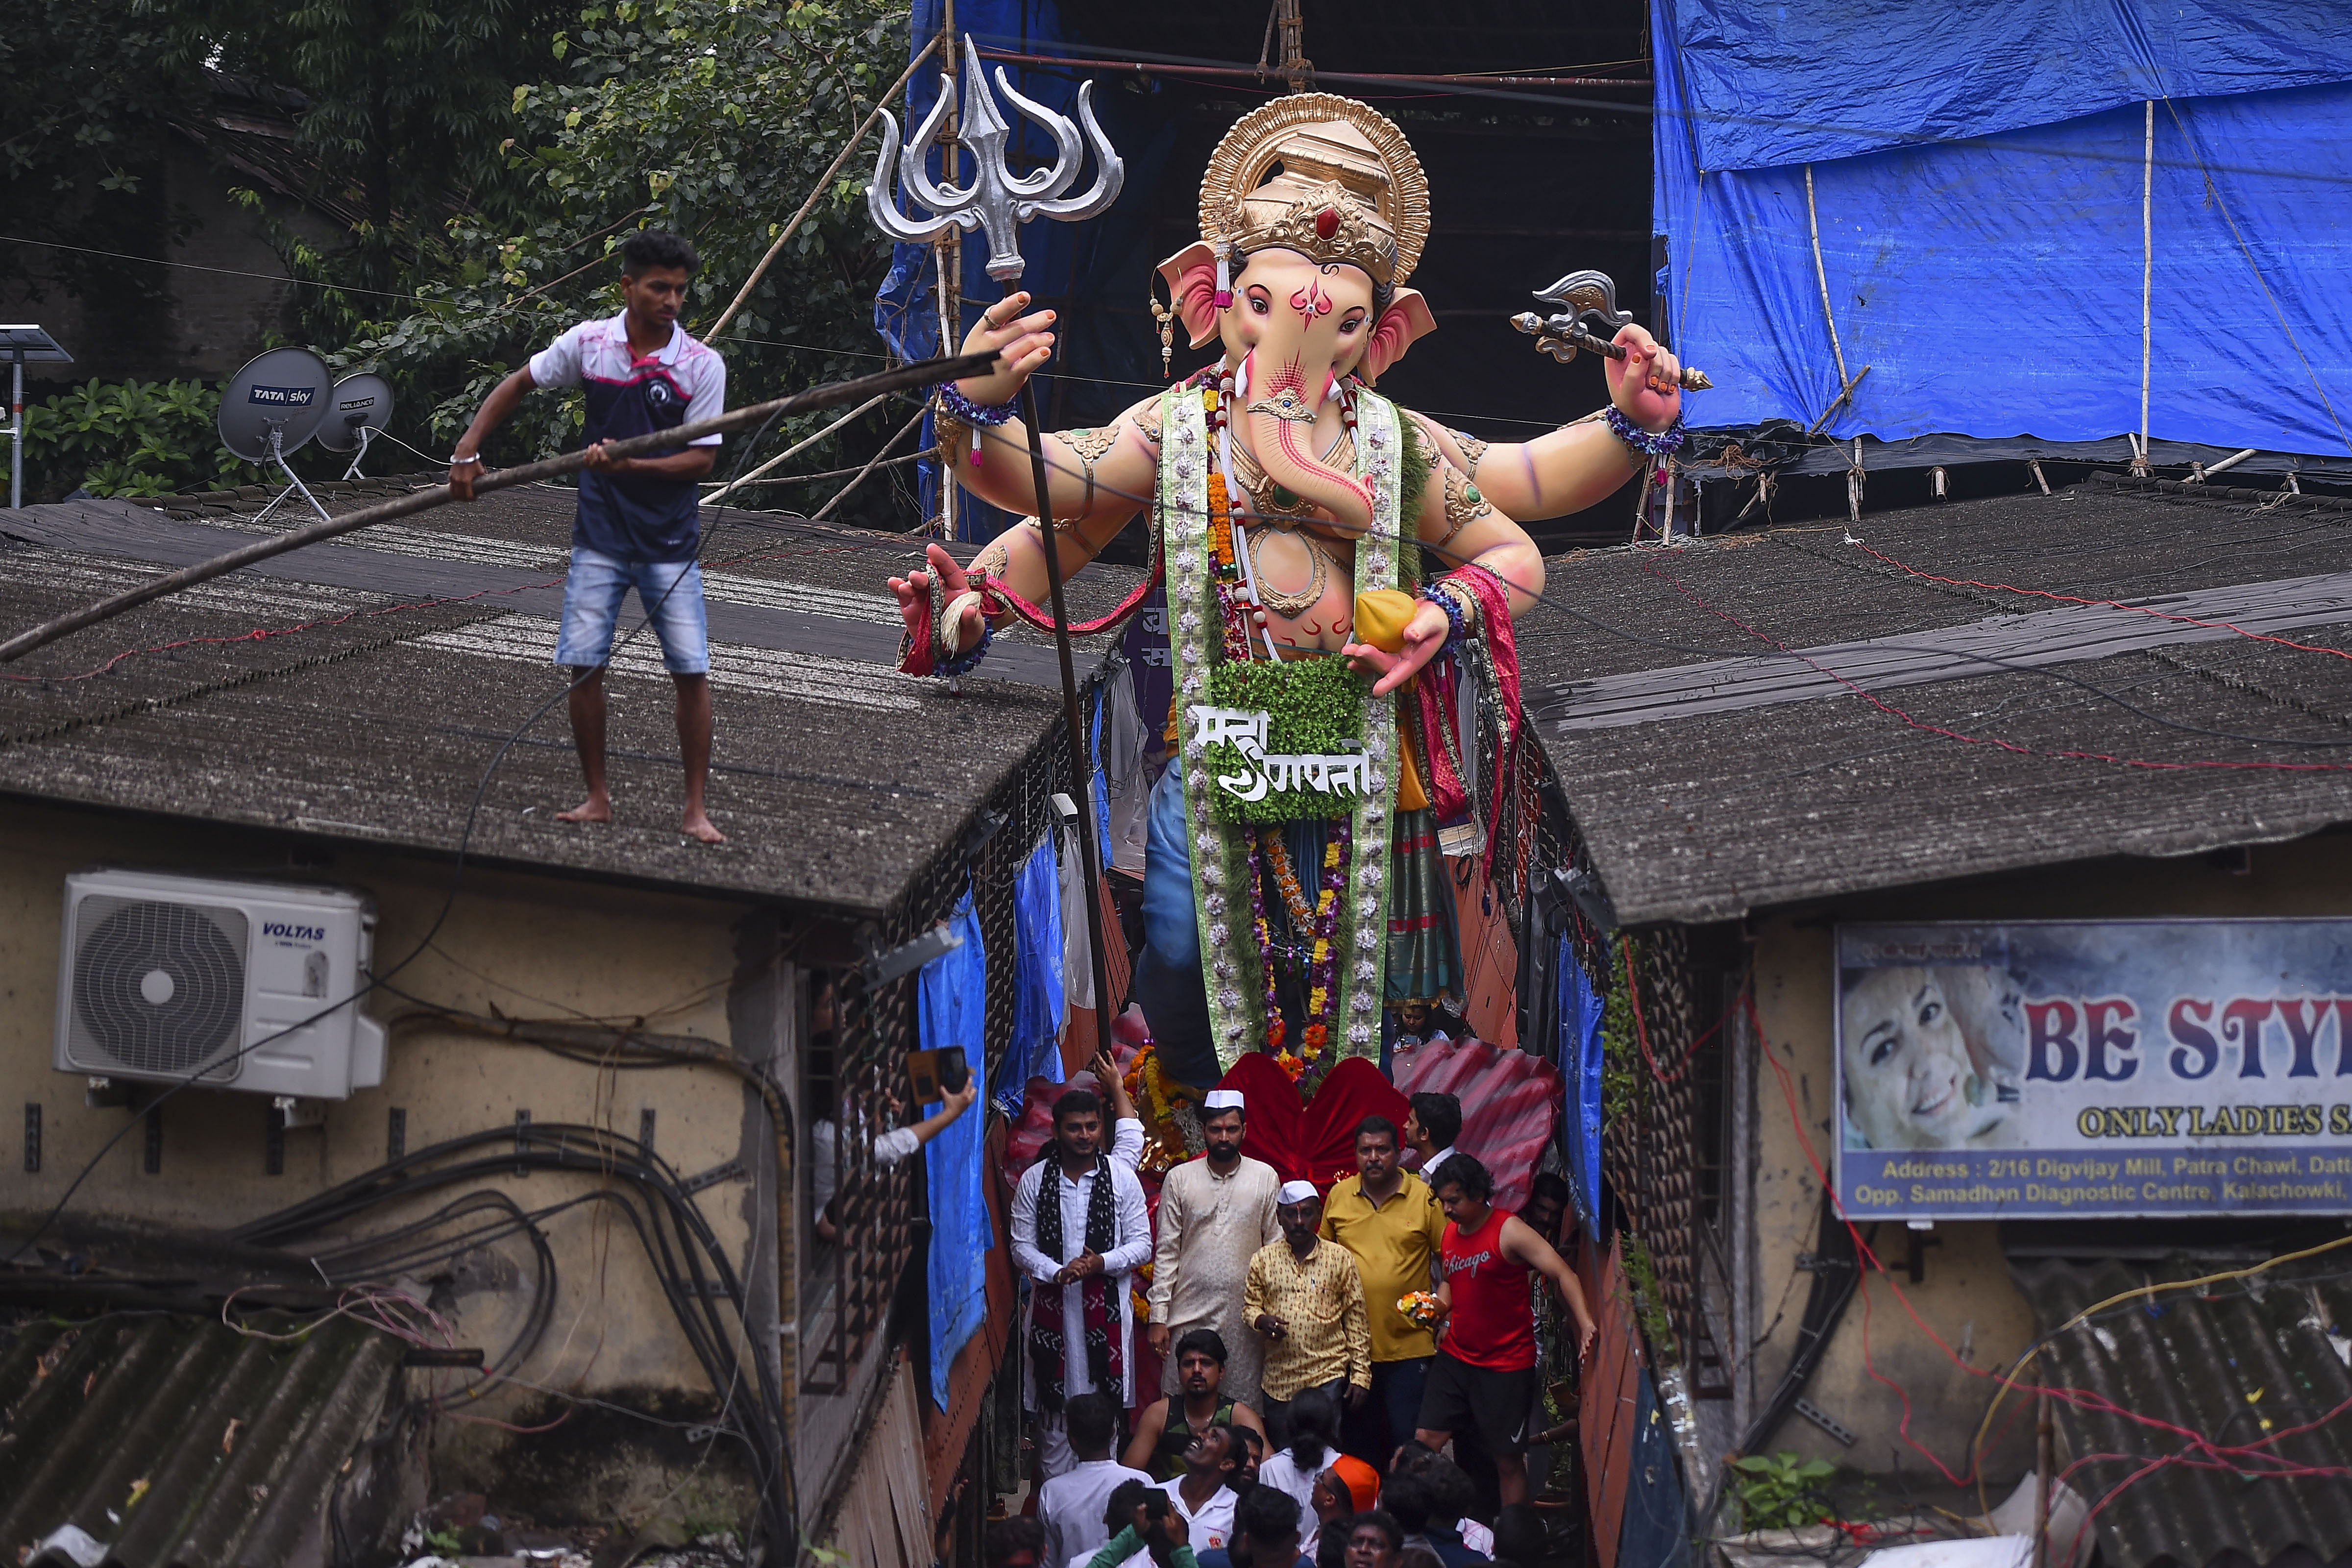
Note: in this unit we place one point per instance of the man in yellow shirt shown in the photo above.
(1389, 1219)
(1305, 1298)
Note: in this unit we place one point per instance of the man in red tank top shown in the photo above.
(1488, 1346)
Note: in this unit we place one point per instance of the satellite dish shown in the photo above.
(285, 391)
(360, 403)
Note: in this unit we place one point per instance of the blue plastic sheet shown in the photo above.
(1654, 1533)
(1580, 1055)
(954, 997)
(1780, 83)
(1994, 285)
(1037, 1001)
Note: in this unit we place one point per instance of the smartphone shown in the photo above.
(938, 1074)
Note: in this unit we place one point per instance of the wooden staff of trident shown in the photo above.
(999, 203)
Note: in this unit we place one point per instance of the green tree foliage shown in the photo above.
(408, 101)
(127, 438)
(710, 119)
(83, 123)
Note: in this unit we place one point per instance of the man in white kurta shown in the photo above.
(1215, 1212)
(1070, 1166)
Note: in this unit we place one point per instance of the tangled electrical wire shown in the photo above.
(688, 1243)
(687, 1260)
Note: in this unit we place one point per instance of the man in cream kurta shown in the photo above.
(1215, 1212)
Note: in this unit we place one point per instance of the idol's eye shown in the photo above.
(1260, 301)
(1352, 322)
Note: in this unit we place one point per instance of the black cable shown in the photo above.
(551, 1145)
(2005, 665)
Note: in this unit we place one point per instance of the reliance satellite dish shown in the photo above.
(274, 405)
(360, 404)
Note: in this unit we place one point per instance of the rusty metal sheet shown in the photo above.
(1606, 1415)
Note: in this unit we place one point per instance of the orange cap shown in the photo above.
(1363, 1482)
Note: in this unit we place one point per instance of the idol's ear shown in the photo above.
(1406, 319)
(1191, 275)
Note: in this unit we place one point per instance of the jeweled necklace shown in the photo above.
(1292, 605)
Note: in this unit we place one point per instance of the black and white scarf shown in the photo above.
(1105, 1355)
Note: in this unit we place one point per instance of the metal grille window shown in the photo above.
(859, 1072)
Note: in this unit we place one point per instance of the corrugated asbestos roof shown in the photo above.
(1702, 811)
(400, 657)
(175, 1442)
(2257, 1364)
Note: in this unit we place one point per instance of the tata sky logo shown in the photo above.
(283, 396)
(295, 932)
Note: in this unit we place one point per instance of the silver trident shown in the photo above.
(996, 200)
(999, 203)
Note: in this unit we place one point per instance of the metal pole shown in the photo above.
(2044, 1459)
(16, 429)
(1081, 738)
(950, 251)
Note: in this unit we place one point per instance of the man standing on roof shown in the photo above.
(636, 524)
(1215, 1212)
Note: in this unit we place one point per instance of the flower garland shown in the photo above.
(1294, 896)
(1319, 969)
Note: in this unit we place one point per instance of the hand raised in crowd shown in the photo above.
(1107, 1073)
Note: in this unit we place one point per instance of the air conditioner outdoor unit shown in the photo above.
(165, 978)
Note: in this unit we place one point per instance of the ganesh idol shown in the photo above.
(1341, 577)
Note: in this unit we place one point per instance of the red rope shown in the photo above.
(264, 634)
(2101, 603)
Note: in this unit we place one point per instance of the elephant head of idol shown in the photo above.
(1313, 212)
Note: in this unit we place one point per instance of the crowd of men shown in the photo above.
(1333, 1367)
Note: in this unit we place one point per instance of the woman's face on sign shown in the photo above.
(1906, 1066)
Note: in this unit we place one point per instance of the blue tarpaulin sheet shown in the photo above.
(1977, 188)
(1580, 1056)
(954, 996)
(1037, 1000)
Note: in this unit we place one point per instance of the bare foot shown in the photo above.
(698, 826)
(595, 809)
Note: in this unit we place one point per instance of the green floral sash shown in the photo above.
(1220, 708)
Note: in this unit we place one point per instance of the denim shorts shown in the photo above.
(671, 591)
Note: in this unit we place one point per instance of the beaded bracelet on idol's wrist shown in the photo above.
(1663, 443)
(964, 663)
(963, 410)
(1453, 608)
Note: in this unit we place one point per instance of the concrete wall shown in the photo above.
(1966, 1296)
(126, 319)
(524, 945)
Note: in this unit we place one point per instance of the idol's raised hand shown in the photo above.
(1021, 343)
(1646, 384)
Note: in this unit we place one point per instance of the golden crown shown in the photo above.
(1326, 176)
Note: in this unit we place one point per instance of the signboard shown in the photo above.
(2073, 1069)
